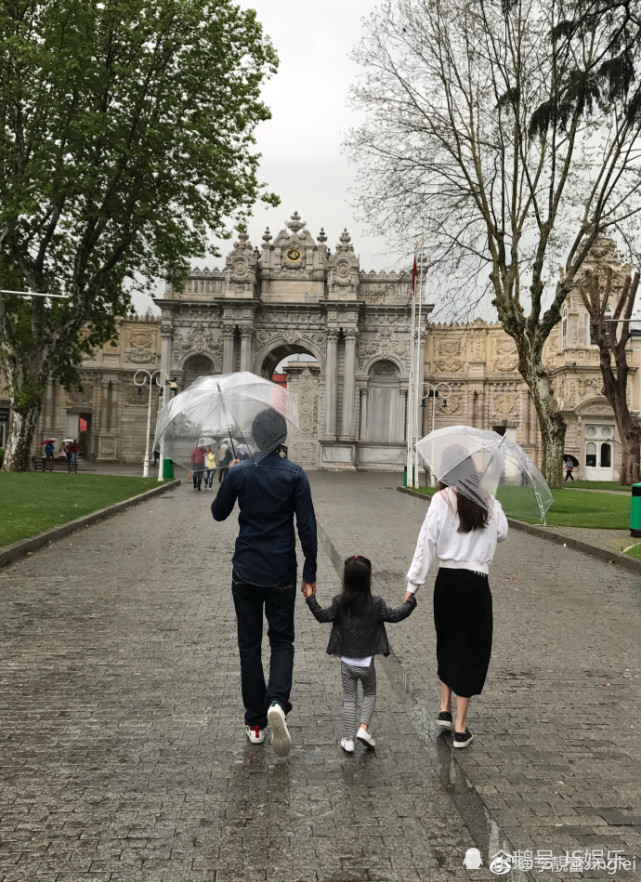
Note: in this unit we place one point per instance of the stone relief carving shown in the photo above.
(81, 397)
(140, 347)
(449, 365)
(200, 339)
(452, 347)
(506, 357)
(506, 404)
(387, 342)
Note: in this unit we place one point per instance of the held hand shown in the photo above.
(308, 588)
(408, 594)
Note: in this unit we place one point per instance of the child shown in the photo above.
(358, 634)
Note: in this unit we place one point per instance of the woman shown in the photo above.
(462, 534)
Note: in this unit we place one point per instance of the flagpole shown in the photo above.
(418, 372)
(409, 478)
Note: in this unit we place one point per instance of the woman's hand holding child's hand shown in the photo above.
(308, 588)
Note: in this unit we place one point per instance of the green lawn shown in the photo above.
(596, 510)
(33, 502)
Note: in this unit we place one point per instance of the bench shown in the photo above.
(42, 464)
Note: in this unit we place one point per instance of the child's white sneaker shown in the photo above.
(347, 744)
(365, 738)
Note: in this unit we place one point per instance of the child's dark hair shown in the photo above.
(357, 592)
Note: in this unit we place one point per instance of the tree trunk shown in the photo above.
(630, 452)
(629, 432)
(18, 449)
(551, 423)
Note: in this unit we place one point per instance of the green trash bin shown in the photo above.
(168, 469)
(635, 511)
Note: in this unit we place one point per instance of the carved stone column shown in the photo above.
(403, 393)
(330, 383)
(246, 348)
(349, 387)
(104, 405)
(165, 345)
(363, 428)
(228, 349)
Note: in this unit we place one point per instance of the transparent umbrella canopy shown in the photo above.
(237, 416)
(481, 464)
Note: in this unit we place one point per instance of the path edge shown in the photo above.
(26, 546)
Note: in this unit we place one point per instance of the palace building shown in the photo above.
(346, 335)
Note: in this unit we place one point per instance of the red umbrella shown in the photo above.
(49, 441)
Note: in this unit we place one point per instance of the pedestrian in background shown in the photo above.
(197, 467)
(49, 451)
(210, 466)
(569, 466)
(358, 634)
(463, 535)
(73, 449)
(271, 493)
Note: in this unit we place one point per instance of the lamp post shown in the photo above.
(434, 391)
(141, 378)
(173, 388)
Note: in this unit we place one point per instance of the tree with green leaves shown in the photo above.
(126, 143)
(508, 131)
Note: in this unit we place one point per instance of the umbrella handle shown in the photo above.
(222, 404)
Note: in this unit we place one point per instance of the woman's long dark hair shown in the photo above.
(357, 591)
(471, 515)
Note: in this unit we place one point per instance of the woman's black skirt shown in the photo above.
(463, 619)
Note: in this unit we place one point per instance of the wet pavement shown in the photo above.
(122, 747)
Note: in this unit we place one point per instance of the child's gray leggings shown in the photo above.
(350, 675)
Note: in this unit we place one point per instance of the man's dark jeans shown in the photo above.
(278, 603)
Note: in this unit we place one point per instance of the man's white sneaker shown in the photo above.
(255, 734)
(281, 739)
(347, 744)
(365, 738)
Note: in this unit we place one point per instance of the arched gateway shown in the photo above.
(295, 296)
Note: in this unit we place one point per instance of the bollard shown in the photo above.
(635, 511)
(168, 469)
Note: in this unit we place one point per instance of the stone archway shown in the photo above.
(303, 378)
(196, 366)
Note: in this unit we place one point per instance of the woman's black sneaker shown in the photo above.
(462, 739)
(444, 720)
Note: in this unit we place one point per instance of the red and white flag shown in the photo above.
(414, 274)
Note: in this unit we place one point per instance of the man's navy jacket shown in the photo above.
(270, 493)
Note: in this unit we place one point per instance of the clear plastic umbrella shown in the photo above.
(481, 464)
(240, 411)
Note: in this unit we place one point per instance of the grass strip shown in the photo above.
(605, 511)
(32, 502)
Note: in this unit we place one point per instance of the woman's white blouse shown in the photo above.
(439, 538)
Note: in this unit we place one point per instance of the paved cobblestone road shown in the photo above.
(122, 749)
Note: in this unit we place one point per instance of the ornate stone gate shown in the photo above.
(295, 295)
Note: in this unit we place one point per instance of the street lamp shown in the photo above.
(173, 388)
(434, 391)
(141, 378)
(440, 390)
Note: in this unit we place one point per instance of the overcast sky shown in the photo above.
(301, 152)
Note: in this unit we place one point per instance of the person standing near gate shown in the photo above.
(271, 493)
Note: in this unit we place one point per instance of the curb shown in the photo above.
(20, 549)
(612, 557)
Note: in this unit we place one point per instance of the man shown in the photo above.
(271, 492)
